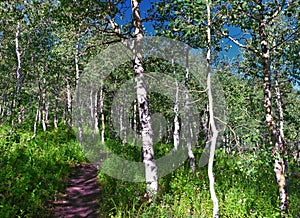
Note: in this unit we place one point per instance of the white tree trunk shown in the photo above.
(187, 111)
(69, 105)
(102, 115)
(77, 76)
(144, 113)
(176, 120)
(45, 107)
(92, 113)
(96, 113)
(213, 143)
(19, 67)
(281, 169)
(55, 121)
(211, 120)
(279, 111)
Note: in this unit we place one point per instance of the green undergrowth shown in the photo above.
(245, 186)
(32, 171)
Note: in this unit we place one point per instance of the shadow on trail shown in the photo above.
(82, 195)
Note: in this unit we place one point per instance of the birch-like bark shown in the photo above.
(281, 137)
(18, 54)
(77, 76)
(283, 149)
(18, 72)
(45, 107)
(298, 151)
(176, 120)
(96, 113)
(135, 121)
(187, 112)
(144, 113)
(38, 110)
(102, 115)
(279, 163)
(55, 121)
(92, 113)
(69, 105)
(207, 131)
(205, 122)
(37, 115)
(213, 140)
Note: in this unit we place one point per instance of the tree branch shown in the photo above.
(242, 45)
(276, 12)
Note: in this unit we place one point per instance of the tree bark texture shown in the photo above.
(278, 144)
(176, 119)
(143, 107)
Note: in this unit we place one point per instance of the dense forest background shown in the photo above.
(252, 48)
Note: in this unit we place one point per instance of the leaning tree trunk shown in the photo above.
(144, 113)
(278, 144)
(213, 138)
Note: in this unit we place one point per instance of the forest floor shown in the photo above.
(81, 196)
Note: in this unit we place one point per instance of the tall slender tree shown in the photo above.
(212, 139)
(142, 99)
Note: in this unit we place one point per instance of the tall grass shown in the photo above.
(32, 171)
(245, 186)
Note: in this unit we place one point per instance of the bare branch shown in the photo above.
(241, 45)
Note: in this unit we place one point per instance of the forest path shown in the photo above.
(82, 195)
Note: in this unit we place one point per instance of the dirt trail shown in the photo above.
(82, 195)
